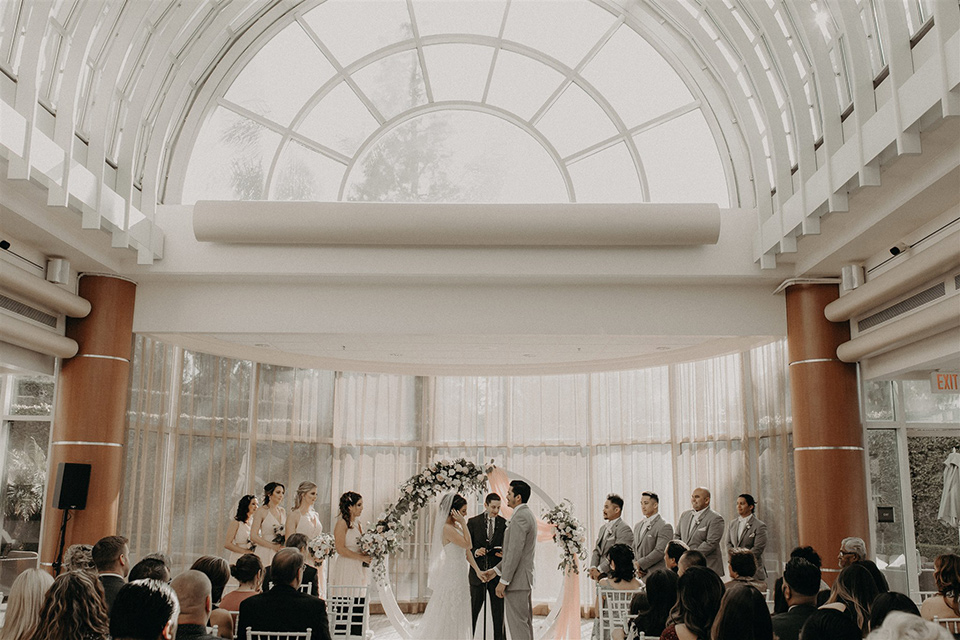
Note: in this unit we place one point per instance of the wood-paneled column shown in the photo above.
(827, 434)
(90, 415)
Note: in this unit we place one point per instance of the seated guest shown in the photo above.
(801, 582)
(946, 604)
(827, 624)
(854, 551)
(193, 594)
(311, 576)
(284, 608)
(699, 591)
(742, 568)
(655, 605)
(637, 602)
(811, 556)
(853, 593)
(621, 574)
(248, 571)
(743, 615)
(690, 558)
(111, 556)
(79, 557)
(74, 609)
(887, 603)
(144, 610)
(900, 625)
(217, 570)
(671, 556)
(23, 605)
(150, 569)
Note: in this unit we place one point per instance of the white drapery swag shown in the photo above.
(191, 451)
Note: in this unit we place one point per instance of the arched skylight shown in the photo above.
(480, 101)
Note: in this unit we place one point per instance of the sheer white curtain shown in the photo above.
(722, 423)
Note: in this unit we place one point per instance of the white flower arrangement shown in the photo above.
(569, 536)
(322, 547)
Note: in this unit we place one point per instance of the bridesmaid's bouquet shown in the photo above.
(569, 535)
(278, 537)
(322, 547)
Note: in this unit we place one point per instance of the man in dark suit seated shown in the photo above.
(144, 610)
(311, 576)
(486, 534)
(801, 582)
(111, 555)
(283, 608)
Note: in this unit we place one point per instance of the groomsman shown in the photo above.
(701, 528)
(747, 532)
(651, 536)
(486, 533)
(615, 531)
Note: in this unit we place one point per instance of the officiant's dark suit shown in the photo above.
(479, 534)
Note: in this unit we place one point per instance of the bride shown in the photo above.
(448, 612)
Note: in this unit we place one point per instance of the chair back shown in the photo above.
(950, 624)
(233, 616)
(279, 635)
(614, 608)
(348, 611)
(307, 588)
(926, 594)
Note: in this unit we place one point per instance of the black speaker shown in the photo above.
(73, 480)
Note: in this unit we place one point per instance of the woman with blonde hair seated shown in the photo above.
(23, 607)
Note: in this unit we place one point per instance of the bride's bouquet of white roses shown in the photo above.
(569, 536)
(322, 547)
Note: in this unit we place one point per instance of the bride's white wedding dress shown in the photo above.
(448, 613)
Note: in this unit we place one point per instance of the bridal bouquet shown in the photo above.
(569, 535)
(322, 547)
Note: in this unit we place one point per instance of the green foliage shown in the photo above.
(927, 454)
(26, 469)
(246, 165)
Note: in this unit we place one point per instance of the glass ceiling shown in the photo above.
(480, 101)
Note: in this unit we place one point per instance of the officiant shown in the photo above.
(486, 533)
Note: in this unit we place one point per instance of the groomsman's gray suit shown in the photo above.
(651, 536)
(516, 572)
(611, 533)
(703, 530)
(754, 538)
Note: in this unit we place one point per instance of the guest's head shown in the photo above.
(248, 569)
(296, 541)
(690, 558)
(273, 493)
(699, 591)
(492, 504)
(306, 494)
(217, 570)
(621, 562)
(286, 567)
(649, 503)
(660, 596)
(743, 615)
(245, 508)
(674, 551)
(746, 505)
(144, 610)
(520, 493)
(907, 626)
(23, 605)
(193, 594)
(351, 506)
(79, 557)
(946, 572)
(612, 507)
(887, 603)
(111, 555)
(851, 550)
(830, 624)
(743, 564)
(700, 499)
(808, 554)
(150, 569)
(801, 582)
(856, 589)
(73, 608)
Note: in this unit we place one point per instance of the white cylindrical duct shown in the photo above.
(456, 224)
(39, 291)
(23, 334)
(938, 317)
(937, 260)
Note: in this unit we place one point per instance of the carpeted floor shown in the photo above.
(383, 630)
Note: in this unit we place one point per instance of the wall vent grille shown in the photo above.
(918, 300)
(956, 282)
(27, 312)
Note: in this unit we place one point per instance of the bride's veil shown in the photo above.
(436, 545)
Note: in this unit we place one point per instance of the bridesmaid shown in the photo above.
(266, 530)
(238, 533)
(304, 519)
(348, 569)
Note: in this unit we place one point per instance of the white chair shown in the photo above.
(307, 588)
(279, 635)
(614, 609)
(236, 630)
(348, 611)
(950, 624)
(926, 594)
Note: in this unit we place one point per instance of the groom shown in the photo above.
(516, 570)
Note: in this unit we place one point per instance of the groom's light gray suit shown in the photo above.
(516, 572)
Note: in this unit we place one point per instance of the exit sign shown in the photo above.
(944, 382)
